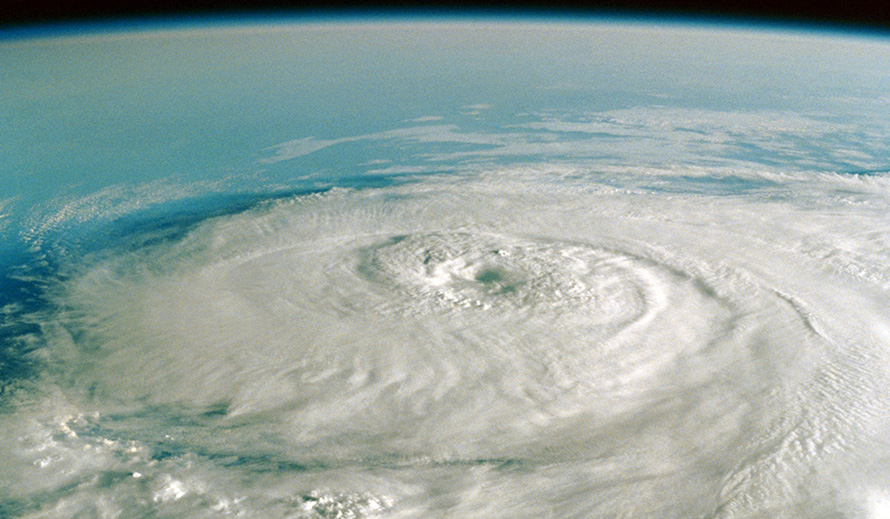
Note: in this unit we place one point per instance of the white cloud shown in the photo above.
(655, 136)
(427, 118)
(299, 147)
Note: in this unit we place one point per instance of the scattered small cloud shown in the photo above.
(427, 119)
(298, 148)
(4, 213)
(474, 110)
(656, 136)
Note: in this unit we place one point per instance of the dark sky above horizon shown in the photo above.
(868, 14)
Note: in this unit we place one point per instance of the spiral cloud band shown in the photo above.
(456, 335)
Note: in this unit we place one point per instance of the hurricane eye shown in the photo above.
(490, 276)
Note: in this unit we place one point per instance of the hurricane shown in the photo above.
(374, 270)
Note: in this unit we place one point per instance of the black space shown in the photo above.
(862, 14)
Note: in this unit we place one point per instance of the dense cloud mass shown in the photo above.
(571, 310)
